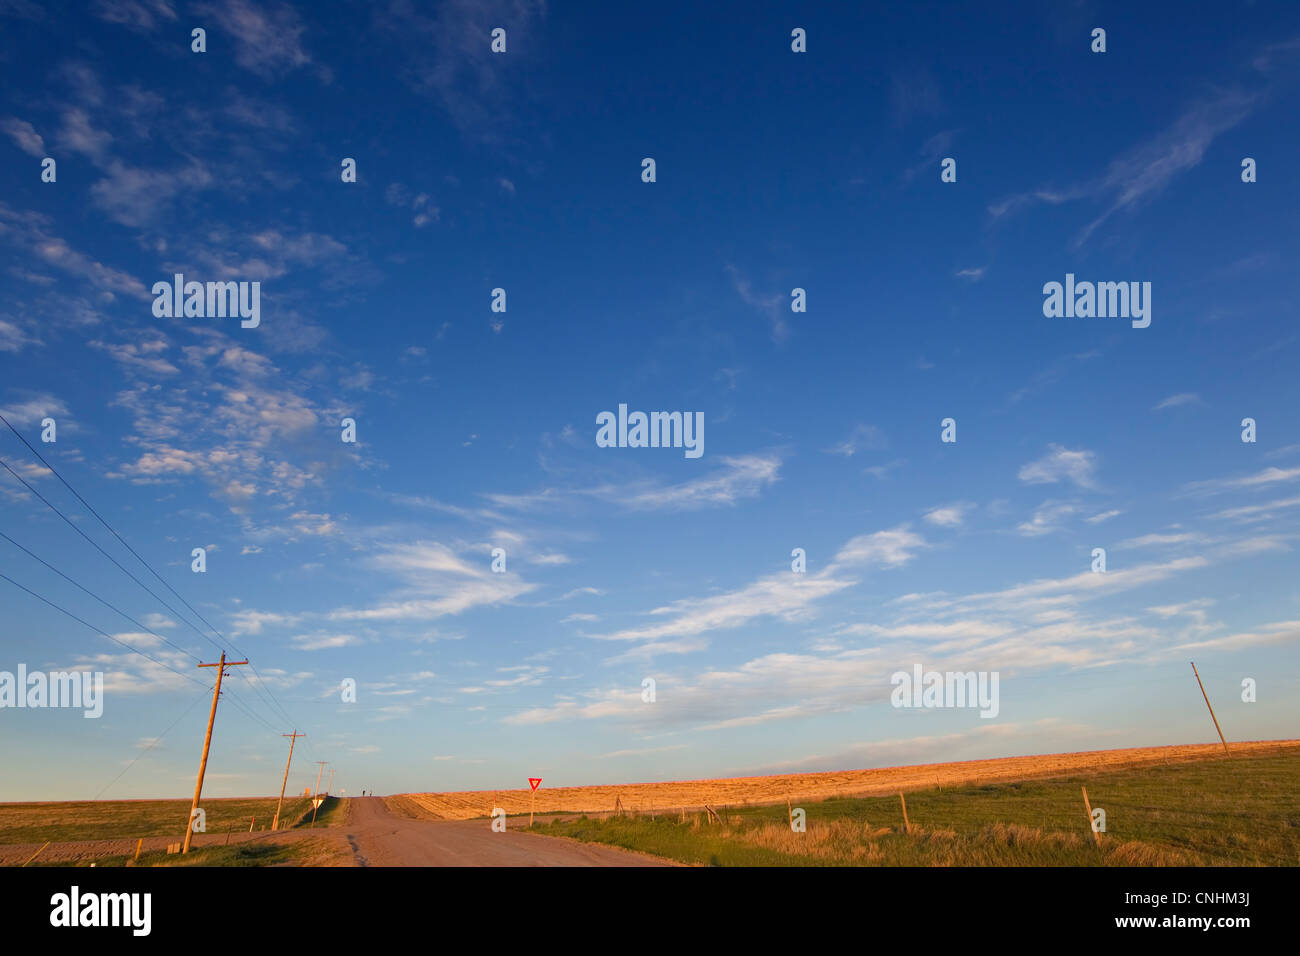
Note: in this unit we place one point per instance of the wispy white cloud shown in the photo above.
(785, 595)
(742, 476)
(1061, 464)
(449, 57)
(949, 516)
(139, 197)
(14, 339)
(886, 549)
(30, 410)
(882, 471)
(321, 642)
(24, 136)
(1260, 479)
(79, 135)
(1162, 540)
(1103, 516)
(1020, 630)
(143, 16)
(642, 751)
(1146, 169)
(1176, 401)
(737, 478)
(1047, 518)
(1262, 512)
(861, 438)
(773, 306)
(248, 621)
(439, 582)
(931, 151)
(31, 232)
(267, 35)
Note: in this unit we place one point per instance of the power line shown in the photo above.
(115, 609)
(234, 700)
(259, 688)
(99, 517)
(156, 741)
(262, 688)
(97, 597)
(113, 531)
(245, 707)
(135, 650)
(98, 548)
(268, 700)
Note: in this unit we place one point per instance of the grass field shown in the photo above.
(1183, 805)
(1240, 810)
(131, 819)
(734, 791)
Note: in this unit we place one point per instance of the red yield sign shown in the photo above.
(533, 782)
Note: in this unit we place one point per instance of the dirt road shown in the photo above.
(371, 836)
(378, 837)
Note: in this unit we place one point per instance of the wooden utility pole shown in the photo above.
(293, 739)
(907, 827)
(1207, 704)
(330, 789)
(315, 803)
(207, 742)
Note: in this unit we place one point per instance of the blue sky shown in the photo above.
(775, 170)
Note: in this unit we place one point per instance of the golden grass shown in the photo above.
(674, 796)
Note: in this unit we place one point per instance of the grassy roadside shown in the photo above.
(264, 849)
(308, 852)
(131, 819)
(255, 853)
(1227, 811)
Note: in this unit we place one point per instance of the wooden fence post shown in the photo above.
(37, 853)
(1088, 807)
